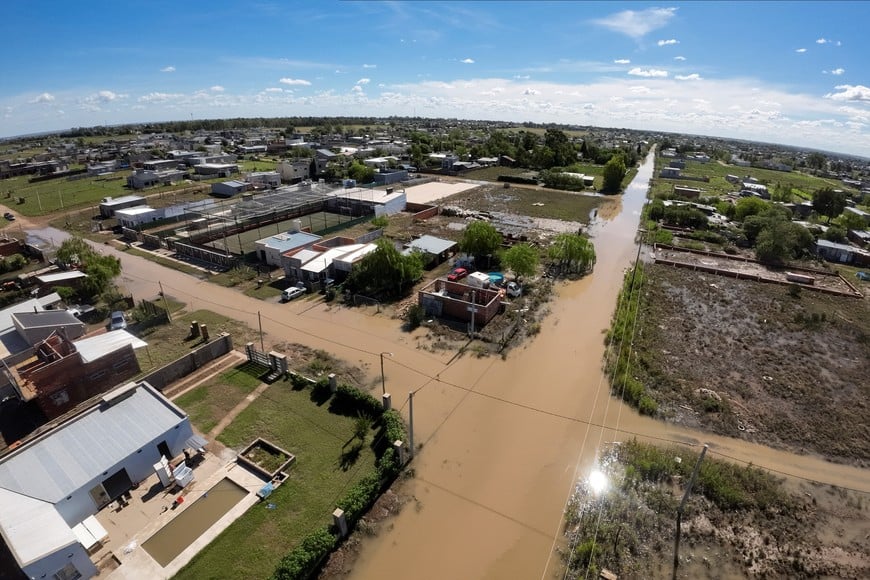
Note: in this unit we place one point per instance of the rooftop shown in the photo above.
(432, 244)
(94, 347)
(289, 241)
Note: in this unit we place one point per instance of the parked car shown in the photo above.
(8, 215)
(863, 276)
(514, 290)
(292, 292)
(117, 321)
(457, 274)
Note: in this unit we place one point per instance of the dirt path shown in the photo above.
(234, 412)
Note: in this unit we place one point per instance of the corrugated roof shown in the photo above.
(432, 245)
(60, 276)
(32, 305)
(94, 347)
(289, 241)
(323, 261)
(71, 455)
(32, 528)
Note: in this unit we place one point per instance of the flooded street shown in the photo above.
(502, 440)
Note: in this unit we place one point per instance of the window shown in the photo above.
(68, 572)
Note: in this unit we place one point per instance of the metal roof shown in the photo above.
(31, 528)
(46, 318)
(125, 199)
(288, 241)
(32, 305)
(59, 276)
(94, 347)
(69, 456)
(432, 244)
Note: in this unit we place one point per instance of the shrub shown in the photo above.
(352, 401)
(304, 559)
(415, 316)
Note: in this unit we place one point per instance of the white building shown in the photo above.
(51, 485)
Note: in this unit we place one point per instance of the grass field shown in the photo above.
(327, 464)
(801, 184)
(493, 173)
(536, 203)
(46, 197)
(210, 402)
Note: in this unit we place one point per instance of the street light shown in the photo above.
(383, 380)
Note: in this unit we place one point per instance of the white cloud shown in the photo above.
(157, 97)
(648, 72)
(836, 72)
(668, 42)
(467, 61)
(850, 93)
(274, 90)
(218, 89)
(637, 24)
(357, 89)
(363, 81)
(299, 82)
(168, 69)
(108, 96)
(622, 61)
(43, 98)
(370, 66)
(522, 77)
(680, 58)
(690, 77)
(839, 43)
(801, 50)
(531, 91)
(822, 41)
(640, 90)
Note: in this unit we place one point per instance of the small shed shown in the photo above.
(436, 250)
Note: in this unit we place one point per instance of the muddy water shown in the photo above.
(504, 441)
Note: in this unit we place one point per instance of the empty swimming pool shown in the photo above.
(177, 535)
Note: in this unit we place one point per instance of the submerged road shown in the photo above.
(500, 442)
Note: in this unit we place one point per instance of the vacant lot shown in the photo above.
(757, 361)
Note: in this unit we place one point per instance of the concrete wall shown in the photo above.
(185, 365)
(53, 563)
(454, 299)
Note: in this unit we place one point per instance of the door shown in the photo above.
(99, 495)
(163, 449)
(117, 484)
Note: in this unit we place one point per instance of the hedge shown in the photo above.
(306, 558)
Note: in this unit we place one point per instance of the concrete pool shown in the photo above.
(173, 538)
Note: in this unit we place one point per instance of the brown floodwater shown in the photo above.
(503, 441)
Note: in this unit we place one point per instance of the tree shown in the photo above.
(614, 173)
(522, 260)
(386, 271)
(361, 172)
(100, 269)
(816, 161)
(480, 239)
(850, 221)
(781, 240)
(572, 253)
(828, 202)
(747, 206)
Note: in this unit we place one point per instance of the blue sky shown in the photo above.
(794, 73)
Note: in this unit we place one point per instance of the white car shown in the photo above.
(117, 321)
(291, 293)
(514, 290)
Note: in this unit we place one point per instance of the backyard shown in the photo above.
(329, 460)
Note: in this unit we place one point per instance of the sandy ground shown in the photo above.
(435, 190)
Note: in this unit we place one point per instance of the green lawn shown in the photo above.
(210, 402)
(801, 184)
(253, 545)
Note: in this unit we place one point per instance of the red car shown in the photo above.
(457, 274)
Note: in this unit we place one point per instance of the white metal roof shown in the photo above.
(100, 345)
(432, 244)
(31, 528)
(134, 211)
(71, 455)
(60, 276)
(323, 261)
(305, 255)
(32, 305)
(353, 255)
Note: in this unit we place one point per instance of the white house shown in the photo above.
(53, 483)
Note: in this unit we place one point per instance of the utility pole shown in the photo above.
(260, 322)
(383, 379)
(473, 310)
(411, 421)
(165, 304)
(680, 510)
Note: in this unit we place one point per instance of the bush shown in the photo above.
(304, 559)
(351, 401)
(415, 316)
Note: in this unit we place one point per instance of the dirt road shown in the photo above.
(502, 441)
